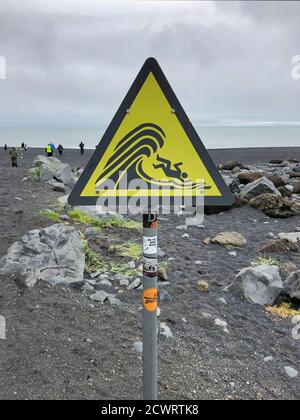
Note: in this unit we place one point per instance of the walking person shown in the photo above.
(60, 149)
(52, 147)
(81, 146)
(14, 157)
(49, 150)
(5, 147)
(23, 145)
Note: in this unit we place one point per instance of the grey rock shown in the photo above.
(100, 296)
(259, 187)
(138, 346)
(165, 330)
(114, 301)
(105, 283)
(124, 282)
(135, 284)
(164, 296)
(292, 285)
(260, 285)
(54, 254)
(293, 237)
(291, 372)
(87, 288)
(91, 232)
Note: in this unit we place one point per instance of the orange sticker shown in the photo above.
(150, 299)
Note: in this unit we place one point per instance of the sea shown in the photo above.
(213, 136)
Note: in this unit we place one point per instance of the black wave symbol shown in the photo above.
(138, 144)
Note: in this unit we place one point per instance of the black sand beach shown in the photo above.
(47, 356)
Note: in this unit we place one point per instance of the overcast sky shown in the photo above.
(71, 62)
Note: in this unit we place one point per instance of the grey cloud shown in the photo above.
(73, 64)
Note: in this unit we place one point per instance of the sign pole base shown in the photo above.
(150, 296)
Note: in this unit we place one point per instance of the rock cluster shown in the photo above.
(272, 188)
(55, 255)
(55, 173)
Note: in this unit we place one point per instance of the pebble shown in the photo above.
(87, 288)
(268, 359)
(181, 227)
(198, 262)
(100, 296)
(124, 282)
(232, 254)
(164, 296)
(222, 324)
(203, 286)
(105, 283)
(138, 346)
(222, 300)
(185, 236)
(96, 274)
(291, 372)
(131, 265)
(114, 301)
(165, 330)
(135, 284)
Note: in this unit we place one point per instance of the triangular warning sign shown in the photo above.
(151, 146)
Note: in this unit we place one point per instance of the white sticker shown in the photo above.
(150, 245)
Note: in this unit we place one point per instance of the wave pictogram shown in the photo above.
(134, 150)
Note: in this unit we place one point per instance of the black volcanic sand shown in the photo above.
(46, 355)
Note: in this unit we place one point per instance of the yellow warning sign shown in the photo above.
(151, 141)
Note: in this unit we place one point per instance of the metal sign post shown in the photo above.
(150, 307)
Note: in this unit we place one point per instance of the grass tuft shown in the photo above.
(113, 222)
(50, 215)
(92, 261)
(130, 250)
(285, 310)
(266, 261)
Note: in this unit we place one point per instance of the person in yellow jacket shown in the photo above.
(49, 150)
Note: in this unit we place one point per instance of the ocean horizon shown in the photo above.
(213, 136)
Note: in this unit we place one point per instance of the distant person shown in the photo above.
(5, 147)
(81, 146)
(14, 157)
(23, 145)
(49, 150)
(60, 149)
(52, 147)
(25, 148)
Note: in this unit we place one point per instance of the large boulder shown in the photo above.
(292, 285)
(259, 187)
(276, 180)
(279, 245)
(230, 238)
(248, 177)
(232, 164)
(275, 206)
(52, 168)
(55, 254)
(260, 285)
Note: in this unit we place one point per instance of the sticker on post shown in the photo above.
(150, 267)
(150, 299)
(150, 245)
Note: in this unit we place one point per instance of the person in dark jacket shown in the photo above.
(14, 157)
(60, 149)
(81, 146)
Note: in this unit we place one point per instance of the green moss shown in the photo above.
(50, 215)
